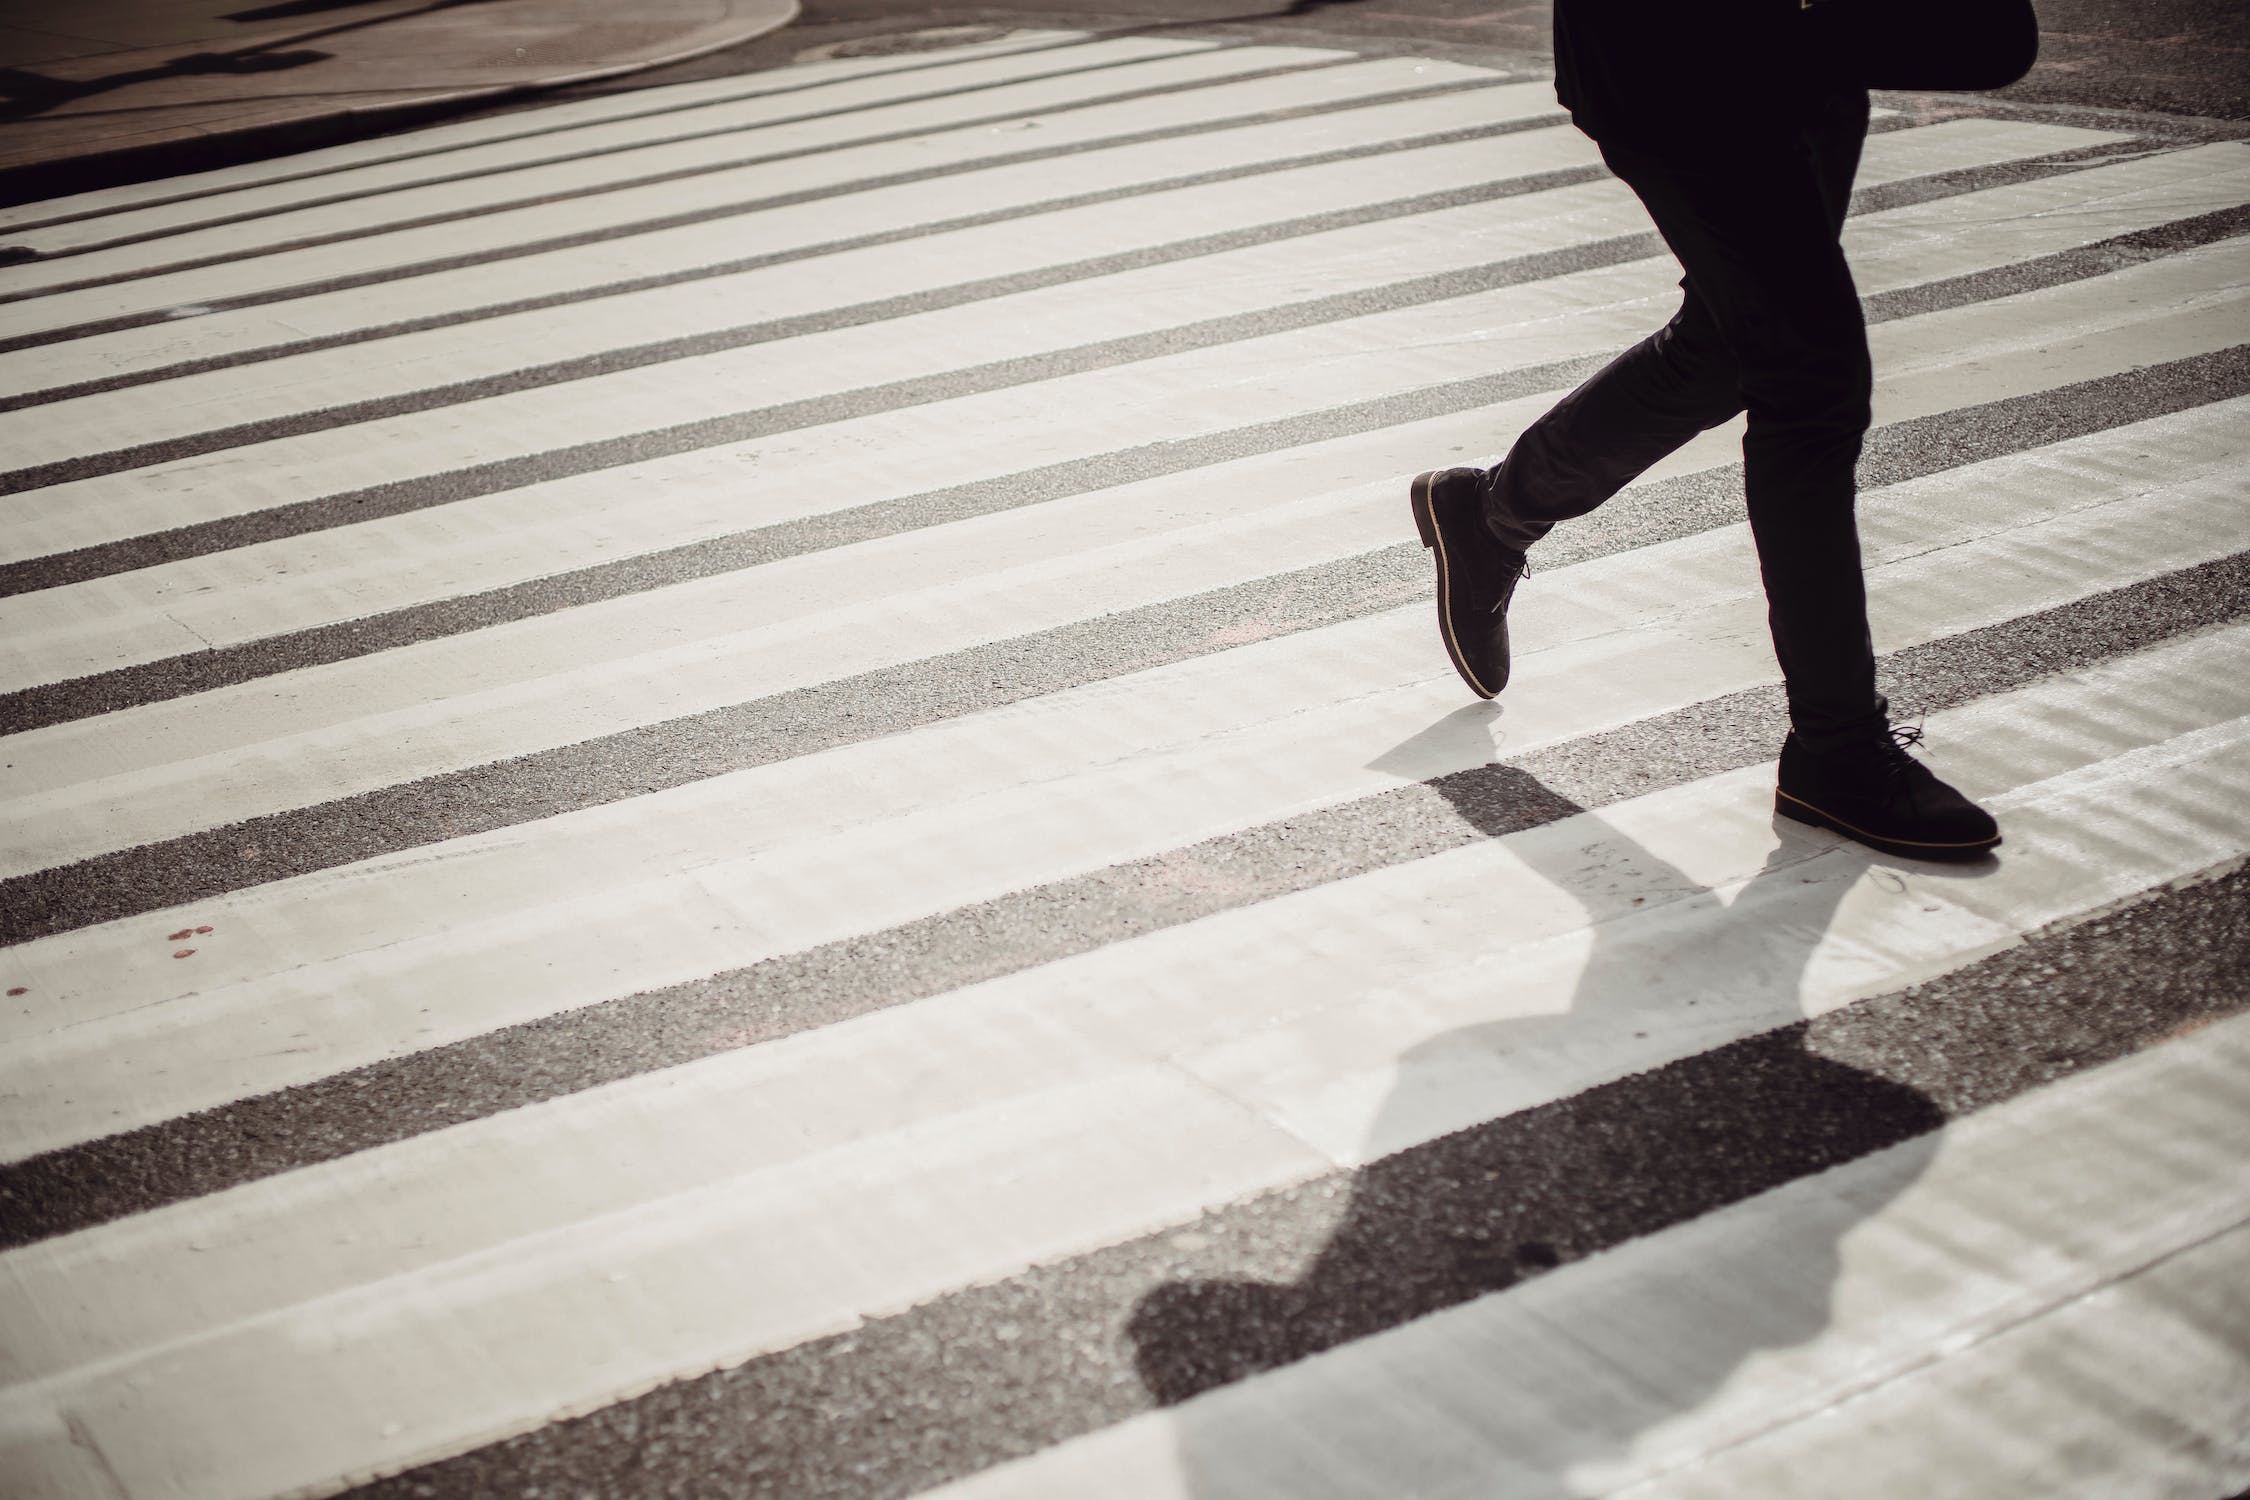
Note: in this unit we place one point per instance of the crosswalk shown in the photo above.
(746, 790)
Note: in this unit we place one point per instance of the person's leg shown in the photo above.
(1756, 226)
(1757, 229)
(1759, 234)
(1677, 382)
(1682, 380)
(1477, 523)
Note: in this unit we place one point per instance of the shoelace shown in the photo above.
(1898, 742)
(1523, 571)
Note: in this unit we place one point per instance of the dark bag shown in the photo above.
(1912, 45)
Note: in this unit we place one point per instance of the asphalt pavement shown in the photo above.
(741, 785)
(129, 91)
(2178, 57)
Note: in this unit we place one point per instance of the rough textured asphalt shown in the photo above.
(2178, 57)
(911, 1400)
(987, 1374)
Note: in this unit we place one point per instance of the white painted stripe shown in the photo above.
(789, 474)
(2168, 309)
(312, 171)
(1410, 1048)
(691, 647)
(2041, 1301)
(1162, 996)
(2138, 1389)
(1954, 236)
(729, 189)
(734, 381)
(165, 769)
(570, 676)
(811, 617)
(366, 371)
(595, 1246)
(1141, 1136)
(334, 969)
(365, 168)
(838, 216)
(598, 157)
(901, 348)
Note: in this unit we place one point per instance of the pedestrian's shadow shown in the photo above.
(1481, 1209)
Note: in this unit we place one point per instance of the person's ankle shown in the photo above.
(1514, 534)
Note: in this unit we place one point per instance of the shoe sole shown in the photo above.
(1425, 522)
(1805, 812)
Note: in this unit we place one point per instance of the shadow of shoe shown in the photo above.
(1462, 1199)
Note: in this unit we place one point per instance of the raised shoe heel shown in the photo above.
(1475, 574)
(1419, 501)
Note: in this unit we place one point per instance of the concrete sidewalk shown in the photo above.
(108, 91)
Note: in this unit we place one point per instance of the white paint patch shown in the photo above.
(2042, 1301)
(598, 156)
(2185, 304)
(728, 188)
(829, 218)
(1031, 322)
(412, 362)
(595, 1246)
(700, 645)
(1040, 321)
(336, 968)
(330, 732)
(142, 210)
(1964, 1292)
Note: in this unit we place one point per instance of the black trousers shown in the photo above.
(1770, 324)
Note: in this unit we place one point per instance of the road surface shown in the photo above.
(747, 789)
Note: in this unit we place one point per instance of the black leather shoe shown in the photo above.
(1476, 575)
(1875, 792)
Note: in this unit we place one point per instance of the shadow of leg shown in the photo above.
(1487, 1208)
(1484, 1209)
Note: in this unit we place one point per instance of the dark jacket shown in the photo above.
(1648, 73)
